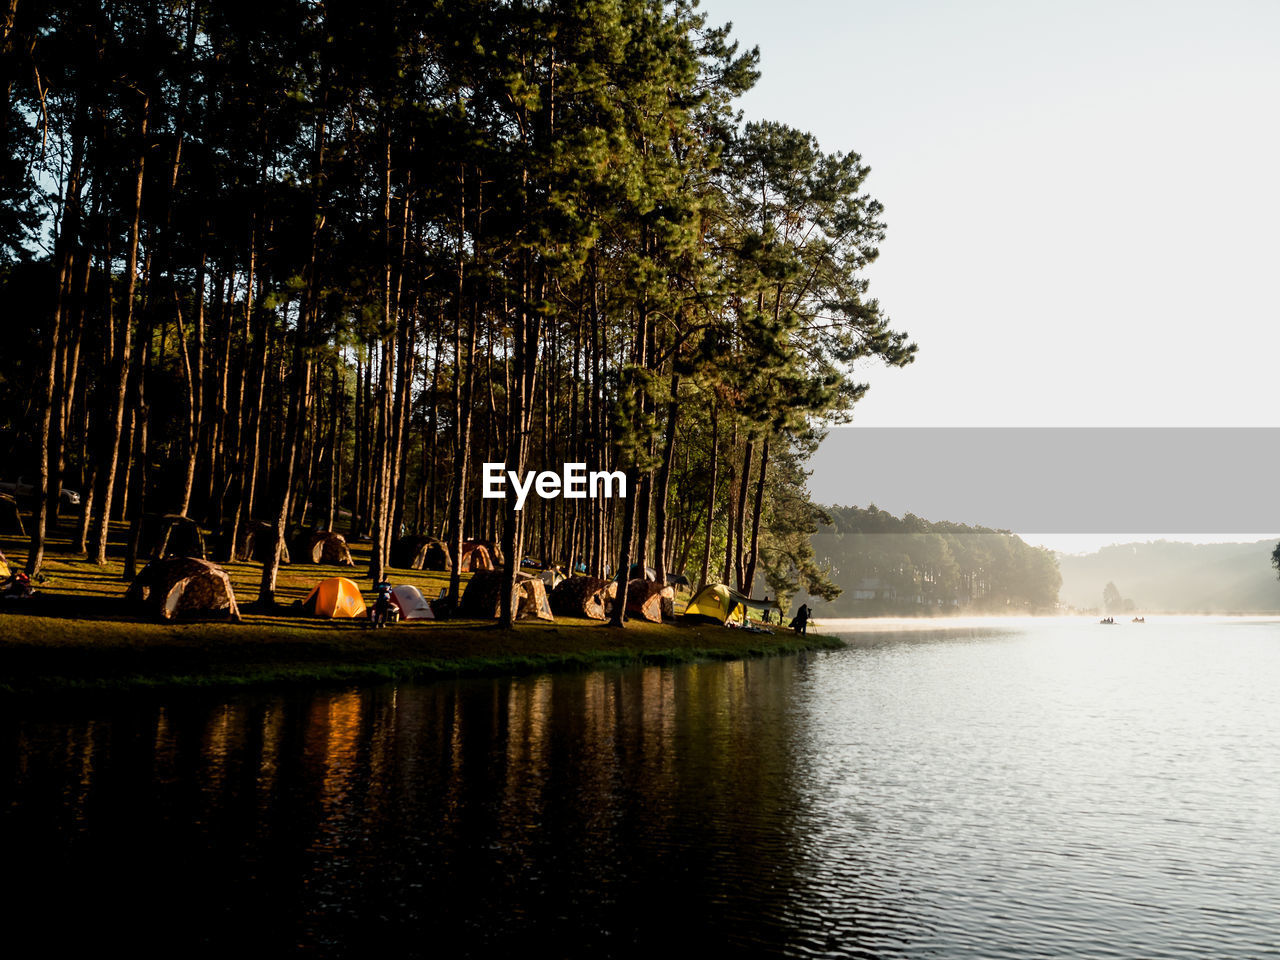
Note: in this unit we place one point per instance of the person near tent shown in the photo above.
(800, 622)
(18, 587)
(381, 611)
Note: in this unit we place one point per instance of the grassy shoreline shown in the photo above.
(38, 656)
(79, 635)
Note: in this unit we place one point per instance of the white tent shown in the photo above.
(411, 603)
(551, 577)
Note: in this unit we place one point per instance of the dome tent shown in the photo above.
(645, 599)
(580, 597)
(421, 553)
(476, 557)
(184, 588)
(482, 598)
(723, 604)
(325, 546)
(411, 603)
(257, 542)
(336, 597)
(533, 601)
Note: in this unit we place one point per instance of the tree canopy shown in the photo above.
(314, 264)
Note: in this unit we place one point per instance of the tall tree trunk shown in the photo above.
(123, 348)
(464, 349)
(664, 481)
(193, 372)
(710, 512)
(300, 393)
(731, 507)
(47, 459)
(740, 514)
(753, 554)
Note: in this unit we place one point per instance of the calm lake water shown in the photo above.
(1015, 789)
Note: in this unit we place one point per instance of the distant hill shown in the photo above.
(1168, 577)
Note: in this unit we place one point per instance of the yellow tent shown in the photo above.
(716, 602)
(5, 573)
(721, 603)
(335, 597)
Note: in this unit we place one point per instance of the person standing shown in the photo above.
(800, 622)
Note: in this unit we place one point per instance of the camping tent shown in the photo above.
(723, 604)
(324, 546)
(169, 535)
(335, 597)
(256, 543)
(421, 553)
(580, 597)
(175, 588)
(673, 579)
(646, 599)
(411, 604)
(491, 547)
(551, 577)
(5, 572)
(483, 597)
(476, 557)
(533, 600)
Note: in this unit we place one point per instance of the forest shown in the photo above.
(906, 565)
(312, 264)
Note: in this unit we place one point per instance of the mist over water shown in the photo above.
(1018, 788)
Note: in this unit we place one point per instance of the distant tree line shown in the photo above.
(312, 264)
(885, 564)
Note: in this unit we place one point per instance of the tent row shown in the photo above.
(425, 553)
(186, 588)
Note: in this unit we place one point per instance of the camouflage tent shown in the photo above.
(476, 557)
(325, 546)
(580, 597)
(10, 519)
(420, 553)
(184, 588)
(169, 535)
(436, 557)
(532, 602)
(255, 544)
(491, 547)
(648, 600)
(483, 598)
(673, 579)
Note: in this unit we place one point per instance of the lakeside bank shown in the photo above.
(79, 634)
(42, 653)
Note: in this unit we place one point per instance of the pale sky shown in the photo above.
(1083, 199)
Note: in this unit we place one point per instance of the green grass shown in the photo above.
(78, 634)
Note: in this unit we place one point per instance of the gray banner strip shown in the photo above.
(1060, 480)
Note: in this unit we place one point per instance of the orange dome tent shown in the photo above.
(335, 597)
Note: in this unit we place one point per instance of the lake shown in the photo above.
(989, 789)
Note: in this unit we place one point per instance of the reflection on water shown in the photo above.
(599, 812)
(1033, 790)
